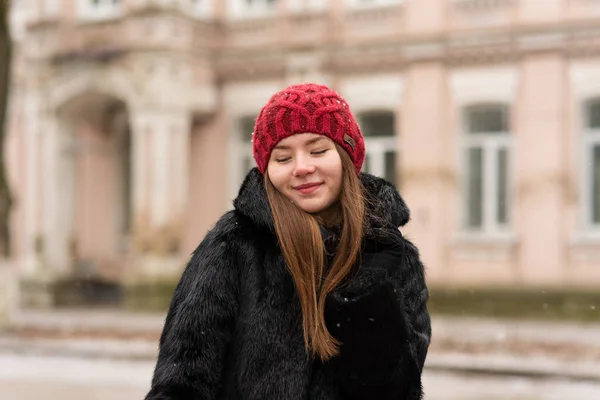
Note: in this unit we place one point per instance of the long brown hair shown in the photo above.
(303, 249)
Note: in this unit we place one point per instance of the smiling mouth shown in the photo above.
(308, 188)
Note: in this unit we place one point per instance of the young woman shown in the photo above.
(307, 289)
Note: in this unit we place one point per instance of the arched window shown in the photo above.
(378, 128)
(487, 144)
(591, 138)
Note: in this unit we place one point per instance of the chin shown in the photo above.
(311, 208)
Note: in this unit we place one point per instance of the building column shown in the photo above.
(29, 256)
(48, 206)
(423, 144)
(58, 193)
(160, 178)
(541, 167)
(9, 301)
(427, 176)
(210, 166)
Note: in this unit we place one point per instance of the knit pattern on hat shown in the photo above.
(306, 108)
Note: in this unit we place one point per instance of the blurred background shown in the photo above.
(125, 132)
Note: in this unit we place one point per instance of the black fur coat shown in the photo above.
(234, 330)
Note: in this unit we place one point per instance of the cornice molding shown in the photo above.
(574, 39)
(482, 48)
(373, 14)
(481, 5)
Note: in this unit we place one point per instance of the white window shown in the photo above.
(100, 9)
(378, 128)
(307, 5)
(371, 3)
(36, 9)
(201, 8)
(242, 148)
(591, 159)
(252, 8)
(487, 160)
(17, 19)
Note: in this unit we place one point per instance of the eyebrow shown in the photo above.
(308, 143)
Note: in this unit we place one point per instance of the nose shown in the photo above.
(303, 166)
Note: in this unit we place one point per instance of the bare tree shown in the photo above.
(5, 63)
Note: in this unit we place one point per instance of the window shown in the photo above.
(486, 155)
(252, 8)
(372, 3)
(244, 127)
(201, 8)
(18, 19)
(38, 9)
(100, 9)
(379, 131)
(592, 163)
(306, 5)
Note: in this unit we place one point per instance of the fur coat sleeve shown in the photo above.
(198, 326)
(382, 321)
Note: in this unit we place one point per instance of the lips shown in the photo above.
(308, 187)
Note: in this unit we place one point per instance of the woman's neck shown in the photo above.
(331, 217)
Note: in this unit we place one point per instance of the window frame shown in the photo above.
(17, 20)
(307, 6)
(202, 10)
(491, 143)
(590, 139)
(377, 146)
(361, 4)
(40, 9)
(240, 9)
(106, 10)
(239, 150)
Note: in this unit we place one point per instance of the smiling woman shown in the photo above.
(307, 290)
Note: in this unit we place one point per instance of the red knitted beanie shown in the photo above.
(306, 108)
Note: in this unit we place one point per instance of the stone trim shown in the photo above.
(481, 5)
(477, 48)
(391, 52)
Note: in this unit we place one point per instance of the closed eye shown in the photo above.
(319, 152)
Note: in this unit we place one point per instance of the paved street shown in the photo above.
(26, 377)
(92, 355)
(444, 386)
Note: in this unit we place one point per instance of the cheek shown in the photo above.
(334, 170)
(277, 176)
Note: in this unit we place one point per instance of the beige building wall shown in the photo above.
(130, 125)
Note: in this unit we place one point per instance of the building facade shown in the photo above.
(131, 121)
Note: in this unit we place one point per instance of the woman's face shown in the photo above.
(307, 169)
